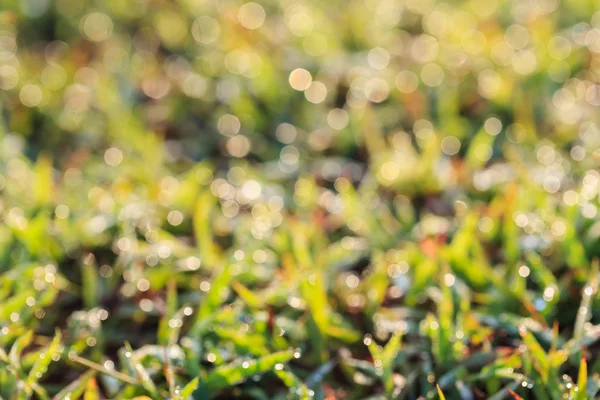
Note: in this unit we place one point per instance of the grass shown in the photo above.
(216, 200)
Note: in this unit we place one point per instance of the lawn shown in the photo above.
(277, 199)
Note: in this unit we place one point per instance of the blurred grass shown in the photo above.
(268, 200)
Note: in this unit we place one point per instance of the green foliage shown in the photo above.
(299, 200)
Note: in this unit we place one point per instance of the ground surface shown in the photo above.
(299, 199)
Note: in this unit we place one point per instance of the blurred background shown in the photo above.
(228, 79)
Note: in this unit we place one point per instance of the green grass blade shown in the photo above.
(233, 374)
(46, 357)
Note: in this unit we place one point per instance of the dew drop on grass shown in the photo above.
(175, 323)
(539, 304)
